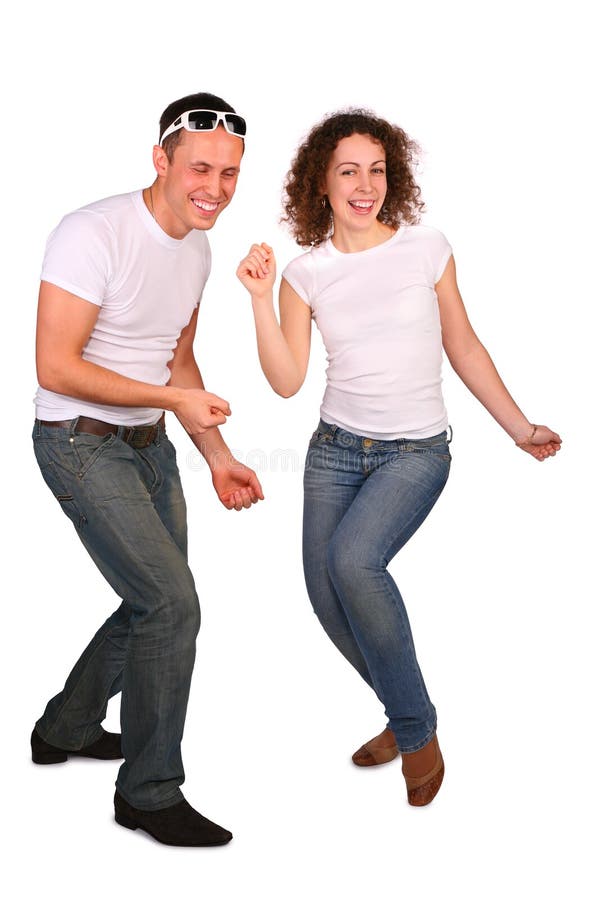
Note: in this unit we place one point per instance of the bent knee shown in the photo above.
(348, 567)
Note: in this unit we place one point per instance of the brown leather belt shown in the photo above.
(138, 436)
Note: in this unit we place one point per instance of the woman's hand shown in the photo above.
(541, 443)
(257, 270)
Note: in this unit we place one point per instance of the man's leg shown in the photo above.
(107, 489)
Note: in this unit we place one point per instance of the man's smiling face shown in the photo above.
(199, 181)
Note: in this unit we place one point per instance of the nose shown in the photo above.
(211, 185)
(364, 182)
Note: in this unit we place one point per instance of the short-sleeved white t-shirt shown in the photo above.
(147, 284)
(377, 311)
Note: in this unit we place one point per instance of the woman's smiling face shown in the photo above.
(355, 182)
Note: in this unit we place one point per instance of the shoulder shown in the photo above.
(300, 264)
(82, 251)
(97, 219)
(431, 246)
(426, 235)
(300, 273)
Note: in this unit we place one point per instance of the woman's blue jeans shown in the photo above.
(128, 509)
(363, 500)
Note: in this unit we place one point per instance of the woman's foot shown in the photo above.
(423, 772)
(379, 750)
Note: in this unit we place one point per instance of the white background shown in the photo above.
(499, 583)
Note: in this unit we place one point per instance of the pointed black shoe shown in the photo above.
(108, 746)
(178, 826)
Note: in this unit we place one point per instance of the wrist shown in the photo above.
(213, 448)
(262, 297)
(525, 434)
(172, 398)
(218, 459)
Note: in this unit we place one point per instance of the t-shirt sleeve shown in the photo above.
(439, 251)
(78, 256)
(299, 275)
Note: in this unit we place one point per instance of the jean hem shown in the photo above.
(419, 745)
(164, 804)
(48, 739)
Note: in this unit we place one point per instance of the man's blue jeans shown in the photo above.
(128, 509)
(363, 500)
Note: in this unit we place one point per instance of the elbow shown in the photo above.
(49, 379)
(289, 389)
(286, 392)
(284, 385)
(51, 375)
(460, 355)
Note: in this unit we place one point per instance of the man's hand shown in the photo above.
(199, 410)
(236, 485)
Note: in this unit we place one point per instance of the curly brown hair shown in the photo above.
(308, 217)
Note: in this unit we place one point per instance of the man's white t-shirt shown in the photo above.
(377, 311)
(147, 284)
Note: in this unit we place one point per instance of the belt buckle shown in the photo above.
(141, 437)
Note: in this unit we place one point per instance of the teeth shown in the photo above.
(362, 204)
(204, 204)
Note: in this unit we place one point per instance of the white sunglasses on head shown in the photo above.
(207, 120)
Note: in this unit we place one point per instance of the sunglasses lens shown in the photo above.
(202, 120)
(235, 124)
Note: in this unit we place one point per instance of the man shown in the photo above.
(118, 305)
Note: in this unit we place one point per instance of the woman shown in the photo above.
(382, 290)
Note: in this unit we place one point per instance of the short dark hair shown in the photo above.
(185, 104)
(308, 213)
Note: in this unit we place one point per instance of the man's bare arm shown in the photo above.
(65, 322)
(237, 486)
(186, 374)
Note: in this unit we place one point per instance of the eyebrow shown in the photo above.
(202, 162)
(358, 164)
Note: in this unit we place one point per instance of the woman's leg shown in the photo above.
(331, 483)
(397, 495)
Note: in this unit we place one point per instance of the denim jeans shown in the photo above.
(363, 500)
(128, 509)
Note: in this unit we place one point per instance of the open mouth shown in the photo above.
(208, 207)
(362, 207)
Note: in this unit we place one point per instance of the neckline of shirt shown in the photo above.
(151, 225)
(330, 246)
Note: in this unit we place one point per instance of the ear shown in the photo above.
(160, 160)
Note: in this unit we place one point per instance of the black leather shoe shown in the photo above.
(179, 825)
(108, 746)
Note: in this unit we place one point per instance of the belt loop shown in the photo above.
(160, 430)
(73, 427)
(451, 434)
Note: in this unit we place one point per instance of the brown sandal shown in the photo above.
(371, 755)
(422, 789)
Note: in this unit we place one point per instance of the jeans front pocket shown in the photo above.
(320, 438)
(88, 448)
(436, 445)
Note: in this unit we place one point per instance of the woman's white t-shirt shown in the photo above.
(377, 311)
